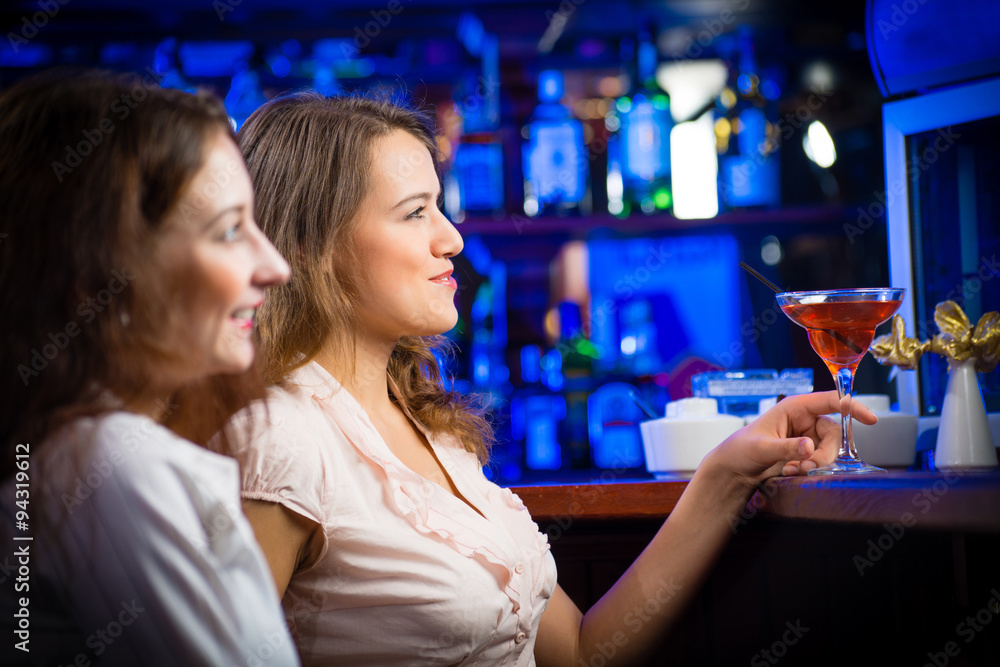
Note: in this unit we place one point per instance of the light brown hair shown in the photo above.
(92, 164)
(309, 158)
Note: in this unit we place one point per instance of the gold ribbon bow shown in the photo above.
(957, 340)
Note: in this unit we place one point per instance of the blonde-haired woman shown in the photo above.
(363, 476)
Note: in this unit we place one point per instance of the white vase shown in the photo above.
(964, 439)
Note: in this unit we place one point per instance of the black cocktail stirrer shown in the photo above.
(753, 272)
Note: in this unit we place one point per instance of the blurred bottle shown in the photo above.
(639, 340)
(614, 417)
(747, 134)
(577, 355)
(554, 157)
(478, 167)
(536, 412)
(639, 150)
(488, 331)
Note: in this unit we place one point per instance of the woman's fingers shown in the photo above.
(802, 411)
(791, 469)
(786, 450)
(830, 435)
(792, 438)
(862, 413)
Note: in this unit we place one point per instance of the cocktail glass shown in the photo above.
(841, 325)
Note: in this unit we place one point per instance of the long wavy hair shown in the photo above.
(91, 165)
(309, 158)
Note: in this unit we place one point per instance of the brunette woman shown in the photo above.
(363, 479)
(130, 269)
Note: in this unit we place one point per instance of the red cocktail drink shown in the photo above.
(841, 332)
(841, 325)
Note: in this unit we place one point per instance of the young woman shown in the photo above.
(363, 479)
(130, 268)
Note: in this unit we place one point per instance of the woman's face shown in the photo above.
(404, 244)
(222, 261)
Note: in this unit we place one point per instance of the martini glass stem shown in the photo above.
(844, 378)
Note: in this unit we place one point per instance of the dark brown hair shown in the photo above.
(309, 158)
(91, 164)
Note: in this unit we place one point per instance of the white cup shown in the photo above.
(680, 441)
(892, 442)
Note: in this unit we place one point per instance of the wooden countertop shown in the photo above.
(933, 500)
(602, 500)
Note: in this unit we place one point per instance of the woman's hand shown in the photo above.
(791, 438)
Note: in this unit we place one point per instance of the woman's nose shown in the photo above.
(271, 268)
(448, 242)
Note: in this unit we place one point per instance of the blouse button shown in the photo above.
(520, 637)
(519, 568)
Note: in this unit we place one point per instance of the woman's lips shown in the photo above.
(243, 318)
(446, 280)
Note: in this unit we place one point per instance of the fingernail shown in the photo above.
(803, 444)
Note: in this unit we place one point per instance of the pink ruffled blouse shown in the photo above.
(408, 573)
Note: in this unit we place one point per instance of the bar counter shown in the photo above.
(879, 570)
(959, 500)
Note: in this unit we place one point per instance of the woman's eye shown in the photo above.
(232, 232)
(415, 214)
